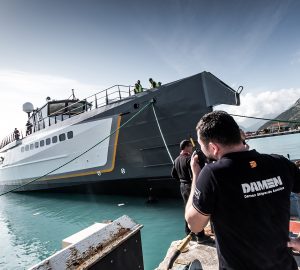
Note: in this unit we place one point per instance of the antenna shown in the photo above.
(28, 108)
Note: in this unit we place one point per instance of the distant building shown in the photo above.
(279, 126)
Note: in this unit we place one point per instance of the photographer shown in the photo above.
(246, 195)
(182, 172)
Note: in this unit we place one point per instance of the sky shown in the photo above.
(50, 47)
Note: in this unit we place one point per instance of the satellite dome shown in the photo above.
(27, 107)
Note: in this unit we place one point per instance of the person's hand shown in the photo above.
(195, 166)
(294, 243)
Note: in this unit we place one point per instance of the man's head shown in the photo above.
(186, 145)
(138, 82)
(217, 133)
(150, 80)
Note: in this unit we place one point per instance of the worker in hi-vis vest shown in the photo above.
(152, 83)
(138, 87)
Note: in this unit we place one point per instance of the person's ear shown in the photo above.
(214, 148)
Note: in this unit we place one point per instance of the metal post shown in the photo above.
(106, 97)
(119, 92)
(96, 104)
(129, 91)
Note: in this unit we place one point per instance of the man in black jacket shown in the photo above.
(182, 171)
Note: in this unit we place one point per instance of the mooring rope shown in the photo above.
(162, 135)
(112, 133)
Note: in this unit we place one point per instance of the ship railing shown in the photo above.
(10, 138)
(103, 98)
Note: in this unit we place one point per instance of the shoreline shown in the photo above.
(272, 134)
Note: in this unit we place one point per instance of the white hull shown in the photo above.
(20, 165)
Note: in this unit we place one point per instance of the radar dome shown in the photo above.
(27, 107)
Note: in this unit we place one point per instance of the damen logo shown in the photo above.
(262, 185)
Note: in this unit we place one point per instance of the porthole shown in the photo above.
(54, 139)
(70, 134)
(62, 137)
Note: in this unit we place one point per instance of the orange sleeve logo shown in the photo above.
(253, 164)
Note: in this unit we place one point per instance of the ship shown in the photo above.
(114, 141)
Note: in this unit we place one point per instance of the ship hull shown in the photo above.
(117, 147)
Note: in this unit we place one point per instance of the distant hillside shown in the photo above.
(292, 114)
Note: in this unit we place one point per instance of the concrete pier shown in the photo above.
(207, 255)
(110, 246)
(273, 134)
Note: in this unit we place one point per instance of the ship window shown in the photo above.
(56, 108)
(31, 146)
(26, 147)
(42, 143)
(48, 141)
(70, 134)
(76, 108)
(62, 137)
(36, 144)
(22, 149)
(54, 139)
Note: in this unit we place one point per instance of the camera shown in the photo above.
(201, 157)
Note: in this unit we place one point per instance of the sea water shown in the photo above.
(33, 225)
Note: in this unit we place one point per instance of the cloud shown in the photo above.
(18, 87)
(263, 104)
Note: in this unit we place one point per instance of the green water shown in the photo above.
(32, 226)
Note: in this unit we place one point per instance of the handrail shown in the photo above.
(115, 92)
(95, 95)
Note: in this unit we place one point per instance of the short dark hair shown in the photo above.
(219, 127)
(184, 144)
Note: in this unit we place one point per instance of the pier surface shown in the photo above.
(207, 255)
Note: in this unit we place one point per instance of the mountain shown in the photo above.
(291, 114)
(255, 124)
